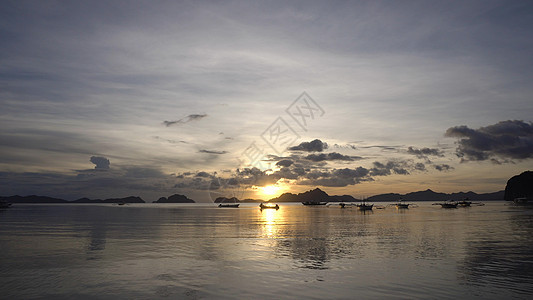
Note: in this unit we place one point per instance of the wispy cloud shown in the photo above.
(425, 152)
(187, 119)
(212, 151)
(330, 157)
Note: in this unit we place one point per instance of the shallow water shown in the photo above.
(185, 251)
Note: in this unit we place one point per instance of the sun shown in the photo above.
(269, 190)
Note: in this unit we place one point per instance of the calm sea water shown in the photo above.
(178, 251)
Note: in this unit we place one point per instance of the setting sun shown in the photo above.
(269, 190)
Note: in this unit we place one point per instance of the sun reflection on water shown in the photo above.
(271, 219)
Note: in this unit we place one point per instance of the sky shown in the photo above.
(106, 99)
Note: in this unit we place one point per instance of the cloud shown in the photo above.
(313, 146)
(187, 119)
(401, 167)
(506, 140)
(443, 167)
(329, 156)
(336, 177)
(425, 152)
(284, 163)
(420, 167)
(101, 162)
(203, 174)
(382, 147)
(212, 151)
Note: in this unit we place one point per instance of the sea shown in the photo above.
(200, 251)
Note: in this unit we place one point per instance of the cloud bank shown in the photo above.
(505, 140)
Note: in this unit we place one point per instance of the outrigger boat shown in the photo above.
(268, 206)
(232, 205)
(314, 203)
(4, 204)
(401, 204)
(447, 204)
(464, 203)
(363, 206)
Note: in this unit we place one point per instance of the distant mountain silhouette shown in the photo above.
(176, 198)
(32, 199)
(130, 199)
(316, 195)
(343, 198)
(249, 200)
(429, 195)
(519, 186)
(227, 200)
(45, 199)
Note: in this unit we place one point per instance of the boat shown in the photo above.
(121, 203)
(464, 203)
(4, 204)
(268, 206)
(232, 205)
(401, 204)
(447, 204)
(522, 201)
(314, 203)
(363, 206)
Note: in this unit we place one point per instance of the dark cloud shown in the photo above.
(212, 151)
(284, 163)
(401, 167)
(443, 167)
(336, 177)
(203, 174)
(330, 156)
(420, 167)
(187, 119)
(506, 140)
(425, 152)
(120, 181)
(101, 162)
(312, 146)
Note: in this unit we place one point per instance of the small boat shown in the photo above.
(4, 204)
(363, 206)
(314, 203)
(232, 205)
(447, 204)
(464, 203)
(268, 206)
(401, 204)
(522, 201)
(121, 203)
(340, 204)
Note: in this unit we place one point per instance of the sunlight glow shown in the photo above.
(269, 190)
